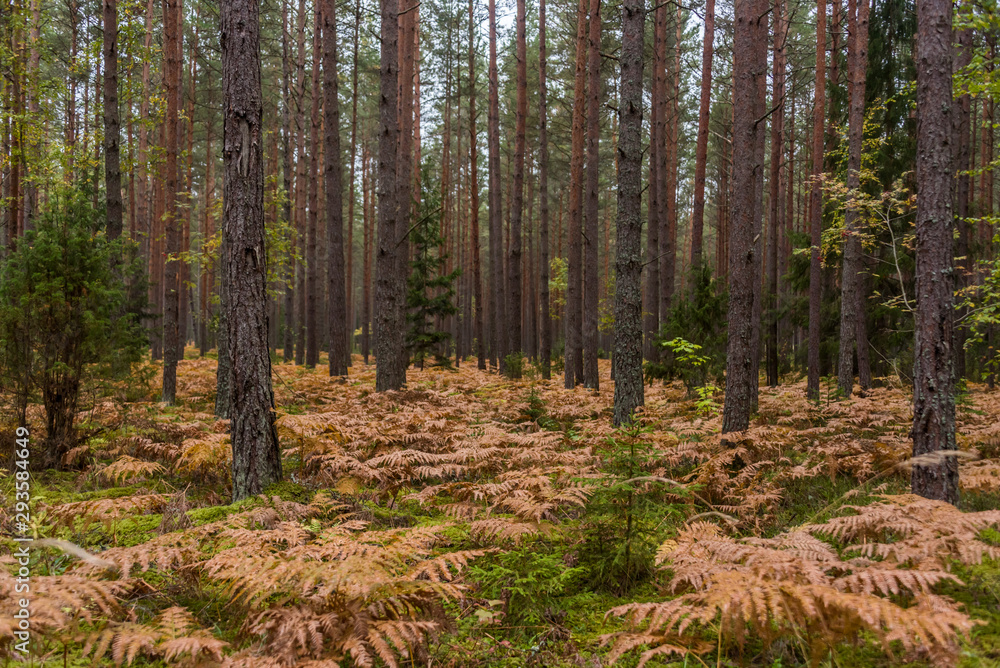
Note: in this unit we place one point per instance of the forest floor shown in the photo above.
(507, 524)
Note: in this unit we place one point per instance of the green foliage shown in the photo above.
(528, 580)
(622, 527)
(694, 336)
(66, 312)
(430, 291)
(515, 364)
(558, 280)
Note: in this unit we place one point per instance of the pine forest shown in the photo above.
(499, 333)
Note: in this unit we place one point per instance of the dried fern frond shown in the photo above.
(172, 635)
(129, 470)
(911, 530)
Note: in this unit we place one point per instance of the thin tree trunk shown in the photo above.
(591, 284)
(667, 176)
(816, 206)
(296, 296)
(350, 202)
(775, 196)
(701, 147)
(628, 262)
(963, 106)
(337, 316)
(256, 457)
(936, 474)
(477, 288)
(852, 283)
(543, 198)
(498, 335)
(404, 171)
(750, 73)
(173, 22)
(366, 264)
(514, 288)
(208, 231)
(286, 175)
(651, 295)
(312, 291)
(112, 124)
(574, 300)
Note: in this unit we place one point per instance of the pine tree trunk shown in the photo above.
(963, 106)
(750, 73)
(514, 288)
(390, 374)
(312, 292)
(628, 262)
(286, 173)
(775, 196)
(665, 213)
(184, 310)
(349, 278)
(651, 295)
(366, 264)
(816, 206)
(112, 124)
(173, 22)
(477, 287)
(852, 282)
(256, 457)
(591, 284)
(404, 170)
(701, 147)
(296, 295)
(545, 335)
(936, 474)
(574, 273)
(498, 336)
(208, 231)
(337, 316)
(30, 210)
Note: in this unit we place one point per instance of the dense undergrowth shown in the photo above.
(470, 521)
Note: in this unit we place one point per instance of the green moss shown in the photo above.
(134, 530)
(210, 514)
(290, 491)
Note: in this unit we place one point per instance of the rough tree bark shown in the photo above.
(390, 374)
(852, 282)
(963, 106)
(514, 311)
(286, 165)
(591, 282)
(628, 263)
(349, 277)
(497, 296)
(312, 292)
(256, 457)
(474, 204)
(545, 335)
(816, 205)
(172, 21)
(337, 312)
(406, 192)
(112, 124)
(651, 295)
(935, 474)
(775, 199)
(574, 274)
(701, 147)
(749, 72)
